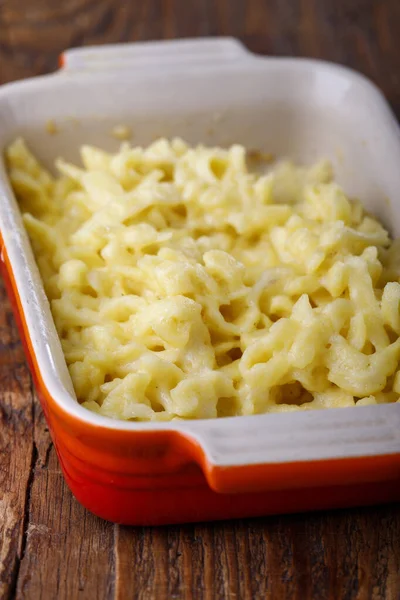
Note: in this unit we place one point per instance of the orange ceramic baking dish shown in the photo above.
(212, 91)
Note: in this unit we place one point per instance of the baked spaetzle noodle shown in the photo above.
(183, 285)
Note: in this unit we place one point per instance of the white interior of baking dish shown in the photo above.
(214, 92)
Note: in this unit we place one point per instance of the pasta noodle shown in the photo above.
(185, 285)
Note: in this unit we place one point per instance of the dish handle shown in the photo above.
(152, 55)
(297, 450)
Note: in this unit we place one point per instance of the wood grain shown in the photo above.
(63, 540)
(50, 547)
(16, 450)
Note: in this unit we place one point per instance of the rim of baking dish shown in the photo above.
(273, 437)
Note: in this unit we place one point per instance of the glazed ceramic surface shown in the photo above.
(214, 92)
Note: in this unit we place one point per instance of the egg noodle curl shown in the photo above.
(183, 285)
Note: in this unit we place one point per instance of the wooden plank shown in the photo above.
(346, 554)
(141, 563)
(69, 552)
(16, 449)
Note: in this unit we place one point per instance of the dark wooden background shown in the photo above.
(50, 547)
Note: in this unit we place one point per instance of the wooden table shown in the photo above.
(50, 547)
